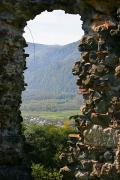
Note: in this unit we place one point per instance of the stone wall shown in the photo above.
(98, 73)
(96, 154)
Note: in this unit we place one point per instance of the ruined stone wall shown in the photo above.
(95, 154)
(98, 73)
(12, 65)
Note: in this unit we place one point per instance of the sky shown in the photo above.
(53, 28)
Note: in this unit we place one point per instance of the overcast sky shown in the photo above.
(54, 28)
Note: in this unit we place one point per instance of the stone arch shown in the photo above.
(13, 17)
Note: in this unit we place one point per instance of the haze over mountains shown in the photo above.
(49, 75)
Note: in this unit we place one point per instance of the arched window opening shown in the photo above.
(53, 39)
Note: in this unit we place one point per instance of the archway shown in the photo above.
(97, 16)
(53, 49)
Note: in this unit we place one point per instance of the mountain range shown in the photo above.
(49, 73)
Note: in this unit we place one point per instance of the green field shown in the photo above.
(51, 108)
(51, 104)
(63, 115)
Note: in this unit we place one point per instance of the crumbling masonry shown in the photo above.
(96, 154)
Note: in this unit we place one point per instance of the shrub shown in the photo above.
(44, 144)
(40, 172)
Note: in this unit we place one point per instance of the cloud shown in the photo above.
(54, 28)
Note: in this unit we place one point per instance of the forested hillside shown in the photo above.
(51, 85)
(49, 74)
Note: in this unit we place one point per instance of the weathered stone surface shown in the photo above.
(96, 154)
(97, 136)
(98, 81)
